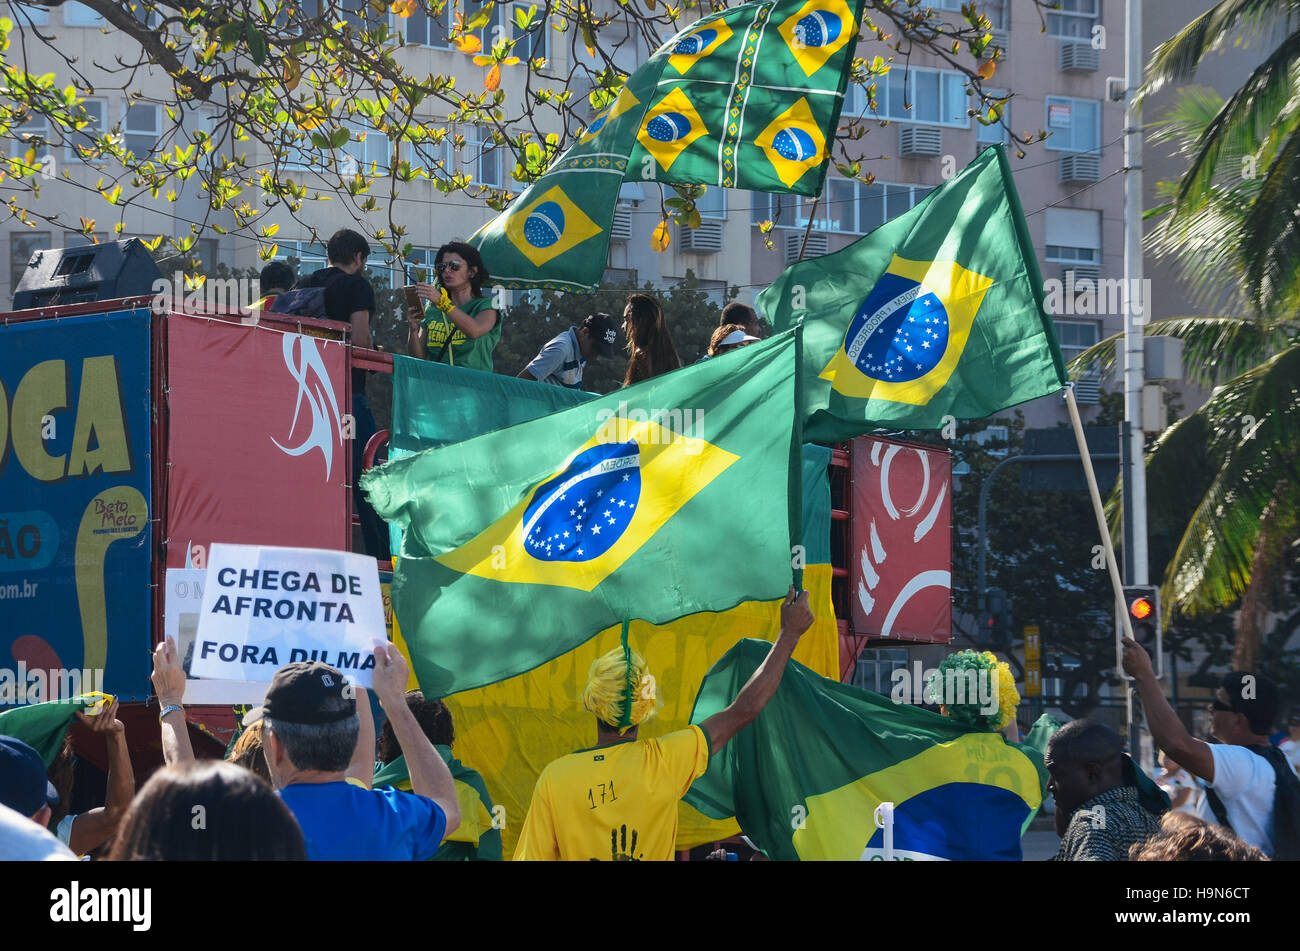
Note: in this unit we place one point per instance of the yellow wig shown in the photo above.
(607, 689)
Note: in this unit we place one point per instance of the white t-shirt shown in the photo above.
(1245, 782)
(24, 841)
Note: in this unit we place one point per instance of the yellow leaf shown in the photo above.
(482, 60)
(660, 239)
(591, 51)
(987, 69)
(469, 44)
(511, 61)
(493, 81)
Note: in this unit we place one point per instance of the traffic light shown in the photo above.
(1143, 605)
(996, 622)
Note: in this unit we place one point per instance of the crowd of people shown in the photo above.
(310, 778)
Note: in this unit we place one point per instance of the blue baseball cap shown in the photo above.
(24, 786)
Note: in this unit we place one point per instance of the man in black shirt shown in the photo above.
(350, 298)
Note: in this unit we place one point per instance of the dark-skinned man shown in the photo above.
(618, 800)
(1098, 813)
(1240, 783)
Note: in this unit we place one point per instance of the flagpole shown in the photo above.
(1116, 582)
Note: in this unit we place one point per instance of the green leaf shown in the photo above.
(256, 45)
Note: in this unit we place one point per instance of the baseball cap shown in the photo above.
(307, 692)
(603, 332)
(24, 787)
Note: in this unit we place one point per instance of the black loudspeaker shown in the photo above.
(94, 272)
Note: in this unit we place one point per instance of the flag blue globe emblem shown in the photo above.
(668, 127)
(544, 226)
(794, 144)
(579, 514)
(818, 28)
(900, 332)
(695, 43)
(597, 125)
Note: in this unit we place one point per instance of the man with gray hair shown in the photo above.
(320, 752)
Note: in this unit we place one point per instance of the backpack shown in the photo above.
(1286, 805)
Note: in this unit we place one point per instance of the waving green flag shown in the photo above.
(936, 313)
(747, 98)
(678, 495)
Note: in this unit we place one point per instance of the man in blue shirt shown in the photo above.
(320, 750)
(563, 359)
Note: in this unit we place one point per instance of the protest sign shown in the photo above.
(183, 601)
(265, 607)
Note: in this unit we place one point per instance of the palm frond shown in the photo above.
(1252, 430)
(1271, 234)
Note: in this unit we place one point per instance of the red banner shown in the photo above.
(900, 569)
(258, 439)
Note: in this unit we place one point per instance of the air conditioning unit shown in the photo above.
(1073, 276)
(1079, 167)
(1087, 389)
(913, 140)
(621, 229)
(1078, 57)
(1001, 39)
(706, 239)
(817, 245)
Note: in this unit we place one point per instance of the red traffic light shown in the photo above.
(1141, 609)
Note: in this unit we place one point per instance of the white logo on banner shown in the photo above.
(873, 553)
(313, 387)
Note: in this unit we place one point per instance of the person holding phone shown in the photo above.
(457, 324)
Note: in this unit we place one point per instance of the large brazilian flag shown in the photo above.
(936, 313)
(746, 98)
(805, 778)
(521, 544)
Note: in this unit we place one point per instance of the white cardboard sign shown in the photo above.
(266, 607)
(181, 607)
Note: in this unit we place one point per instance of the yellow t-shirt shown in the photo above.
(615, 803)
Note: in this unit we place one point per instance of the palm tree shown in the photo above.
(1260, 124)
(1225, 481)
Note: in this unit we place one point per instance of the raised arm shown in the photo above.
(429, 774)
(796, 618)
(169, 684)
(362, 767)
(1166, 729)
(94, 827)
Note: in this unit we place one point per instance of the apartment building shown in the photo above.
(1057, 67)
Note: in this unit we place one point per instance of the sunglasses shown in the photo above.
(452, 266)
(1220, 707)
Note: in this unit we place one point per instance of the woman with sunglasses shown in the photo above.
(458, 325)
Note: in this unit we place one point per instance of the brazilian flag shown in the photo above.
(805, 778)
(936, 313)
(478, 837)
(744, 98)
(678, 495)
(42, 726)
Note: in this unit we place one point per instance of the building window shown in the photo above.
(849, 207)
(1061, 254)
(428, 31)
(1075, 124)
(311, 256)
(367, 146)
(1076, 336)
(937, 97)
(36, 16)
(482, 159)
(22, 245)
(875, 668)
(32, 135)
(78, 14)
(96, 112)
(533, 43)
(995, 10)
(141, 129)
(1074, 21)
(997, 133)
